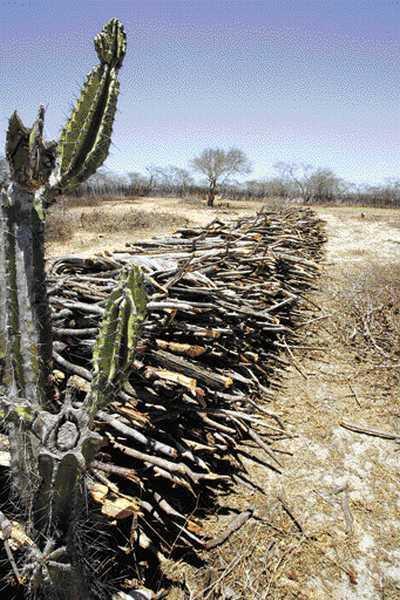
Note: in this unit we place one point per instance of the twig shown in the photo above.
(313, 321)
(355, 395)
(288, 511)
(295, 363)
(348, 517)
(373, 432)
(235, 525)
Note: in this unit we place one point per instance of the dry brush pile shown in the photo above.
(222, 303)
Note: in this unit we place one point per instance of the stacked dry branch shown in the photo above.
(223, 302)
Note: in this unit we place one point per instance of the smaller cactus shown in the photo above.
(68, 444)
(116, 343)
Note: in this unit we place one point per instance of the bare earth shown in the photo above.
(328, 527)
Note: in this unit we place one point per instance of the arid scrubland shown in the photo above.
(199, 379)
(326, 527)
(96, 223)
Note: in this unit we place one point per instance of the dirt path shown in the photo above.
(341, 539)
(362, 521)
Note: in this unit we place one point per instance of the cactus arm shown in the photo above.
(17, 150)
(137, 297)
(73, 134)
(118, 336)
(115, 356)
(99, 149)
(86, 137)
(30, 158)
(110, 44)
(105, 348)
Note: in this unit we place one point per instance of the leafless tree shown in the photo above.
(156, 176)
(180, 179)
(297, 176)
(275, 187)
(169, 179)
(104, 183)
(139, 184)
(324, 185)
(218, 165)
(386, 194)
(310, 183)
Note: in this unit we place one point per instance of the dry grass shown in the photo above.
(100, 221)
(59, 228)
(84, 201)
(95, 224)
(368, 311)
(384, 216)
(270, 558)
(64, 223)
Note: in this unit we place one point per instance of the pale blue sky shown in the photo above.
(294, 80)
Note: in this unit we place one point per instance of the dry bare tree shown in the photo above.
(297, 175)
(310, 183)
(218, 165)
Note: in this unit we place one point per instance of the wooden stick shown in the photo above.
(387, 435)
(234, 526)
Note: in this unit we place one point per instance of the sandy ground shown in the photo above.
(327, 458)
(342, 538)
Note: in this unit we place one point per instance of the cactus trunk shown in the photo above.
(57, 447)
(2, 291)
(27, 326)
(25, 332)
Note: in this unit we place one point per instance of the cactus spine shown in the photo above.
(57, 447)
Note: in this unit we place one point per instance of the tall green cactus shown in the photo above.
(50, 451)
(86, 138)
